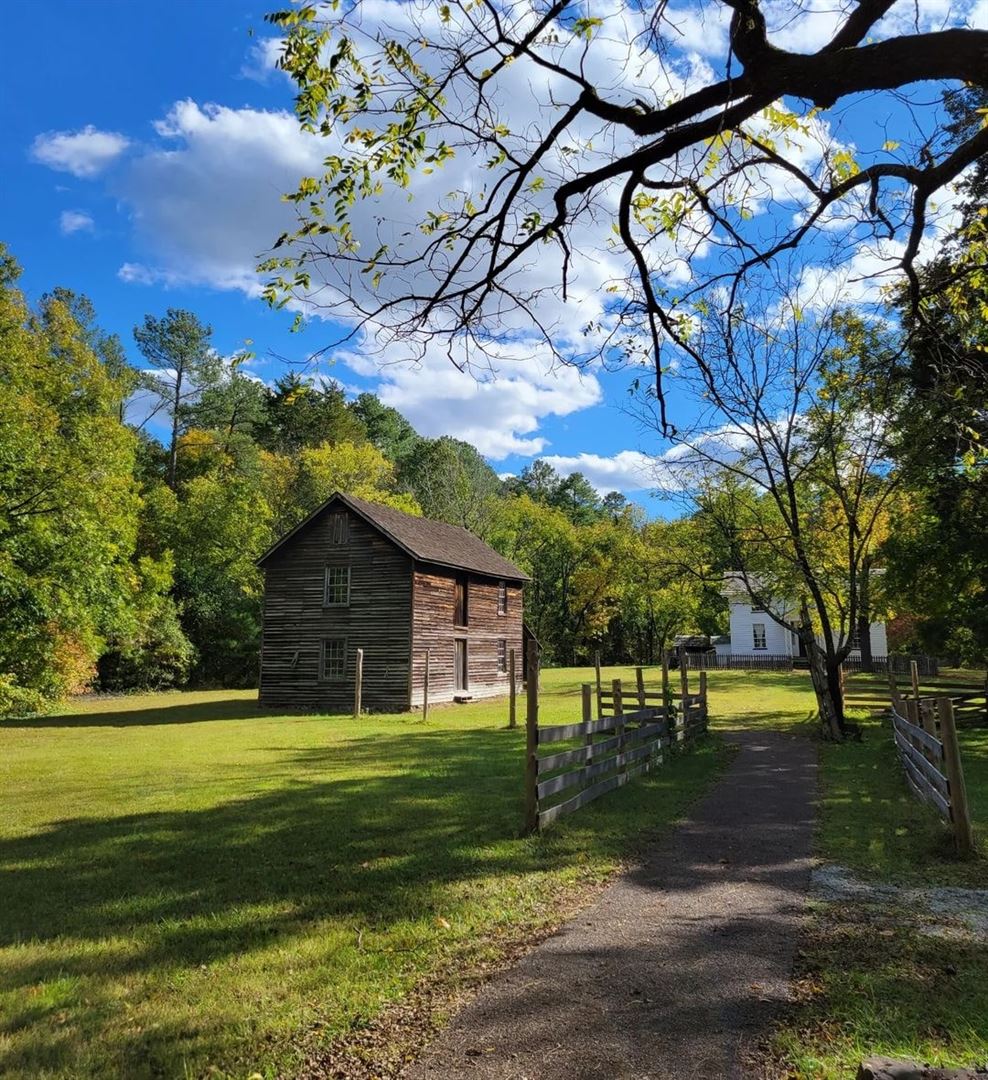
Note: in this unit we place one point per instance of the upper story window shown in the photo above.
(759, 639)
(756, 609)
(855, 639)
(336, 589)
(339, 528)
(461, 609)
(502, 598)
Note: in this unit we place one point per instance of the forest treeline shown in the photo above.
(137, 491)
(127, 557)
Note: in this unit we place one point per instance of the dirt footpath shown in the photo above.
(678, 963)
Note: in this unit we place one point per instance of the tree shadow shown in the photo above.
(185, 713)
(105, 899)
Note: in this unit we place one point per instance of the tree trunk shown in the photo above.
(826, 686)
(173, 448)
(864, 618)
(825, 675)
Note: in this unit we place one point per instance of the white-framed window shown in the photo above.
(332, 661)
(502, 655)
(336, 589)
(855, 639)
(759, 640)
(339, 528)
(756, 608)
(502, 598)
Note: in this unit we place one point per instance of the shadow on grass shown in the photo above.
(100, 899)
(874, 980)
(186, 713)
(872, 823)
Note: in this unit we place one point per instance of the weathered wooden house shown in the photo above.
(358, 575)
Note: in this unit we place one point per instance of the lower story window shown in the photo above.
(502, 655)
(759, 640)
(333, 662)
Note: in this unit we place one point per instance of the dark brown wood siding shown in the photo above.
(296, 621)
(433, 628)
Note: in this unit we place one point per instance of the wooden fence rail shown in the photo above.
(970, 703)
(926, 740)
(633, 731)
(736, 662)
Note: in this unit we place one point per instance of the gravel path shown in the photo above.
(678, 963)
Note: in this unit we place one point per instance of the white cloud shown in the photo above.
(73, 221)
(208, 204)
(628, 470)
(83, 153)
(499, 411)
(262, 59)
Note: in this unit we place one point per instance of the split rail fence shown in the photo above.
(969, 699)
(925, 737)
(628, 733)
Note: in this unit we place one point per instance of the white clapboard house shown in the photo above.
(755, 633)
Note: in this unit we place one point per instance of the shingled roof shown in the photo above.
(424, 540)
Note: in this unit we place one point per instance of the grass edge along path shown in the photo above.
(193, 886)
(873, 976)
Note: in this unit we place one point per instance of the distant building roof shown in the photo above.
(423, 539)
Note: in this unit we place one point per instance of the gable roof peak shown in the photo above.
(425, 540)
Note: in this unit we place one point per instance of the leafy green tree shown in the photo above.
(683, 160)
(235, 405)
(220, 525)
(451, 482)
(302, 414)
(69, 503)
(183, 363)
(294, 486)
(386, 428)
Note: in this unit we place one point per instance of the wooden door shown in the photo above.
(460, 679)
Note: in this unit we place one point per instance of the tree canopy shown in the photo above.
(597, 153)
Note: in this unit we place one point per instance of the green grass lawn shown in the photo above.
(191, 884)
(872, 977)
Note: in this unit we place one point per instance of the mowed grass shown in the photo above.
(190, 885)
(881, 978)
(870, 821)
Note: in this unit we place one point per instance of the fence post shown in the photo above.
(512, 692)
(532, 741)
(960, 813)
(358, 681)
(587, 694)
(640, 680)
(703, 698)
(684, 685)
(425, 686)
(619, 720)
(894, 691)
(596, 664)
(914, 675)
(666, 696)
(929, 723)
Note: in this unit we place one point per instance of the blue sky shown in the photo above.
(121, 69)
(144, 154)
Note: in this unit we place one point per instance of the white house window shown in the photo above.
(502, 655)
(339, 530)
(502, 598)
(756, 608)
(855, 639)
(332, 665)
(337, 587)
(759, 640)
